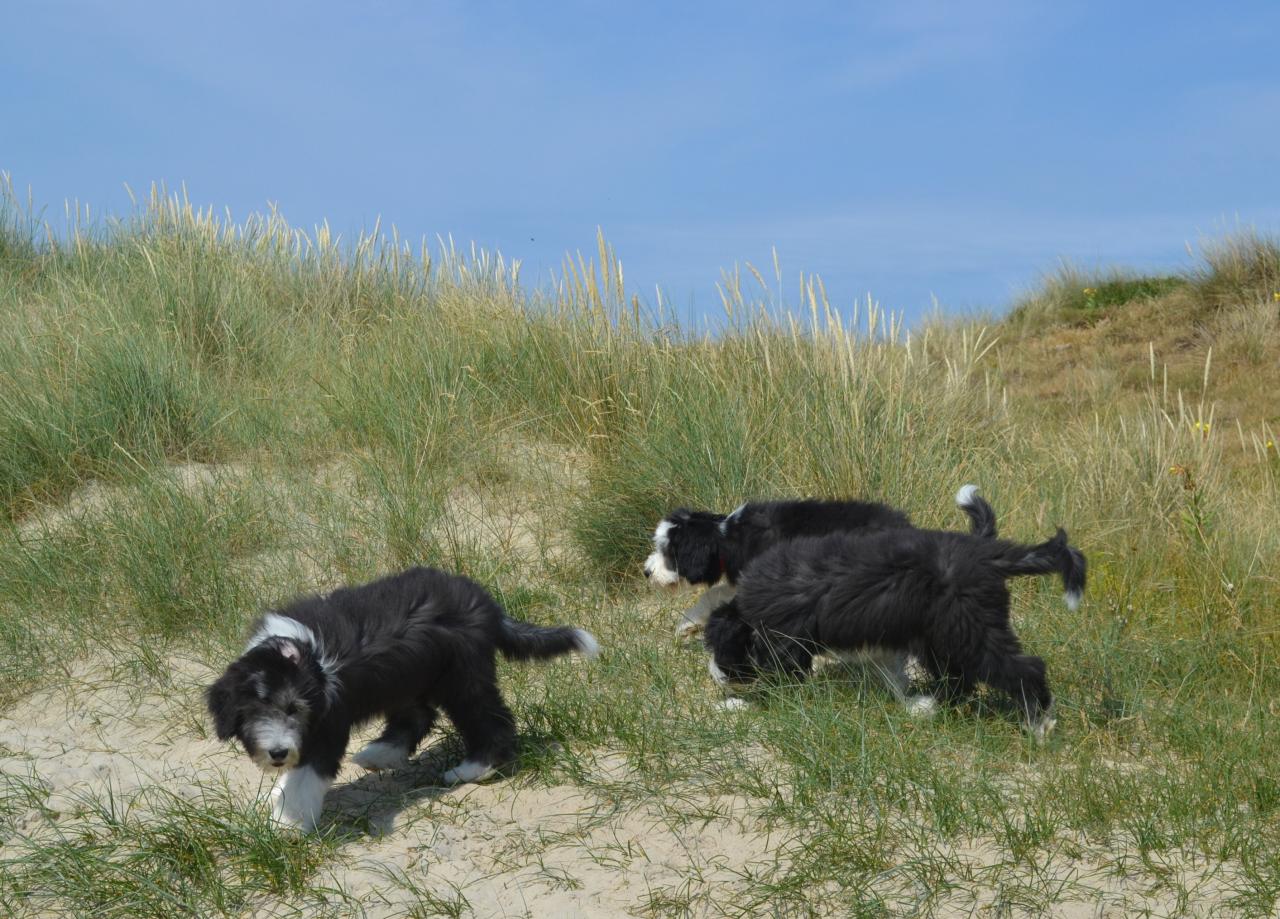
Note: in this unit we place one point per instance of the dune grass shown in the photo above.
(159, 854)
(202, 418)
(1074, 296)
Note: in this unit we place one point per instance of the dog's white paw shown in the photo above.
(381, 755)
(687, 628)
(733, 704)
(467, 771)
(1041, 729)
(294, 822)
(922, 707)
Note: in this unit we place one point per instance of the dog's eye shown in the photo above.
(291, 708)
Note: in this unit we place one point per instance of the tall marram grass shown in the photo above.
(201, 417)
(178, 336)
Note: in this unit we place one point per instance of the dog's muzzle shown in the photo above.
(275, 744)
(658, 572)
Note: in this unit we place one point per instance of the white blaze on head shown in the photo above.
(656, 568)
(276, 626)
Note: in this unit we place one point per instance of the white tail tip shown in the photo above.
(1073, 599)
(588, 647)
(965, 496)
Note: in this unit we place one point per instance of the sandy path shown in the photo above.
(511, 847)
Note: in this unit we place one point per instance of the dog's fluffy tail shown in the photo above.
(982, 516)
(522, 641)
(1054, 555)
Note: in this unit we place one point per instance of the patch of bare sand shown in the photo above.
(514, 848)
(524, 516)
(1076, 880)
(95, 495)
(97, 732)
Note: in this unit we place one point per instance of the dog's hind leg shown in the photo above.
(404, 731)
(487, 727)
(1022, 678)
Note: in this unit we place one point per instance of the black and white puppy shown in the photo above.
(401, 647)
(940, 596)
(697, 547)
(703, 548)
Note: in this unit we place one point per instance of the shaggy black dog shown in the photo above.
(401, 647)
(699, 547)
(939, 596)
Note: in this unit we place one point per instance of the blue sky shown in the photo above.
(906, 149)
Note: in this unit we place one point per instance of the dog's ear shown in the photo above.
(697, 554)
(733, 518)
(291, 651)
(221, 700)
(784, 656)
(727, 635)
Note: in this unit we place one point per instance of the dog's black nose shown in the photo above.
(278, 756)
(648, 571)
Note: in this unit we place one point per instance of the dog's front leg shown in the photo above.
(696, 616)
(892, 667)
(298, 797)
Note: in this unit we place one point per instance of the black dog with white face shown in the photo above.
(402, 647)
(939, 596)
(699, 547)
